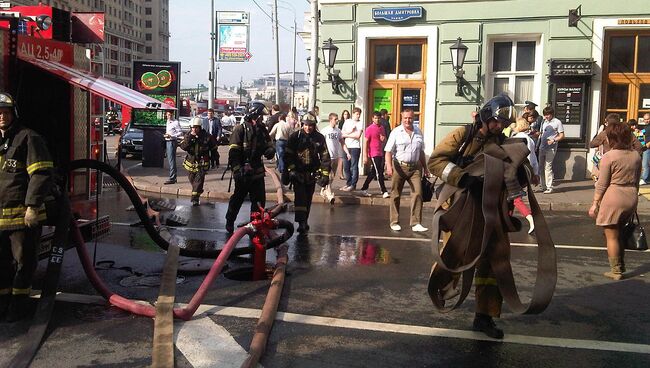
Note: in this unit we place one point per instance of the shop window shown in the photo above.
(514, 69)
(385, 61)
(398, 59)
(621, 54)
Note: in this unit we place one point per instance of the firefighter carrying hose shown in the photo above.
(26, 171)
(249, 141)
(198, 144)
(308, 162)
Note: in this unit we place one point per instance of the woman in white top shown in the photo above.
(521, 130)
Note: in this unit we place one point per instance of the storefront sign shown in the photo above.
(569, 99)
(571, 67)
(397, 14)
(411, 99)
(634, 21)
(233, 36)
(159, 80)
(37, 48)
(382, 99)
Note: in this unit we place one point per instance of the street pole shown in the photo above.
(293, 78)
(313, 77)
(277, 52)
(241, 92)
(212, 73)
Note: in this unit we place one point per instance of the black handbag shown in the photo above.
(427, 189)
(633, 234)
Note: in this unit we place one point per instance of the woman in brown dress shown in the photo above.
(615, 196)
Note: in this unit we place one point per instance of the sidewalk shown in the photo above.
(568, 195)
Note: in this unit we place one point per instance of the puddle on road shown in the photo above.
(339, 251)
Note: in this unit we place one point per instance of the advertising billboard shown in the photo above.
(159, 80)
(87, 27)
(233, 36)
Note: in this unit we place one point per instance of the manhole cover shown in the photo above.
(146, 280)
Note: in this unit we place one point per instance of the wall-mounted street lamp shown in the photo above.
(574, 16)
(329, 56)
(458, 53)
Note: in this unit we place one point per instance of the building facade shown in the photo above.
(396, 54)
(134, 30)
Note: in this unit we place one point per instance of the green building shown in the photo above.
(396, 54)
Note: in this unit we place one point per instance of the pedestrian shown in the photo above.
(317, 113)
(375, 141)
(522, 130)
(111, 120)
(280, 133)
(551, 133)
(172, 133)
(345, 115)
(445, 164)
(404, 163)
(212, 125)
(601, 142)
(385, 121)
(198, 144)
(335, 147)
(228, 120)
(308, 162)
(248, 143)
(274, 118)
(352, 131)
(532, 119)
(615, 196)
(645, 162)
(26, 171)
(293, 121)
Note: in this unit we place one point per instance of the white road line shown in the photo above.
(376, 237)
(554, 342)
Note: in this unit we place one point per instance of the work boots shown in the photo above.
(617, 267)
(195, 201)
(484, 323)
(18, 308)
(230, 226)
(302, 227)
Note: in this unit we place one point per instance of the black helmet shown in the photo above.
(256, 111)
(7, 101)
(498, 107)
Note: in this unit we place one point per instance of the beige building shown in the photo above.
(135, 30)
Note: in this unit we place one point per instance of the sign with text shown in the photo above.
(400, 14)
(233, 36)
(382, 99)
(159, 80)
(87, 27)
(569, 99)
(38, 48)
(571, 67)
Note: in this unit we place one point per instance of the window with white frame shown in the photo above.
(514, 68)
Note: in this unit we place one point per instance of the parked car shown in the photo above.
(131, 141)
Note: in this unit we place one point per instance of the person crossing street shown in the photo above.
(199, 145)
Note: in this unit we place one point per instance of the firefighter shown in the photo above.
(446, 164)
(26, 172)
(249, 141)
(308, 162)
(198, 144)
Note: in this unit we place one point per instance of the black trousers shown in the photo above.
(21, 247)
(214, 158)
(246, 187)
(304, 193)
(196, 180)
(376, 172)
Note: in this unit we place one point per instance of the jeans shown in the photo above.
(645, 166)
(280, 145)
(171, 158)
(546, 157)
(351, 167)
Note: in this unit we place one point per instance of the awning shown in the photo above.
(100, 86)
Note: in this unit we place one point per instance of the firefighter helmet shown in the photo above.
(500, 108)
(256, 111)
(196, 121)
(309, 118)
(7, 101)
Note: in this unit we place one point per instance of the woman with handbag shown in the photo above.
(615, 195)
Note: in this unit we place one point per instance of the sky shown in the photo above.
(189, 26)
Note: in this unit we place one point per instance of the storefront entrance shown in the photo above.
(397, 78)
(626, 71)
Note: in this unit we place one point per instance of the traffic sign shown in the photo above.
(248, 56)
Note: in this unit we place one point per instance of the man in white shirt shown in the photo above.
(352, 131)
(552, 131)
(334, 141)
(172, 133)
(404, 162)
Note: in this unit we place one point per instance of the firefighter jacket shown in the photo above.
(198, 151)
(26, 175)
(307, 154)
(248, 143)
(443, 162)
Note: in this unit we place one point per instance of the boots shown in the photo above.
(617, 266)
(531, 224)
(18, 308)
(4, 305)
(302, 227)
(484, 323)
(195, 201)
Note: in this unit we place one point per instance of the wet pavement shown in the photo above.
(355, 296)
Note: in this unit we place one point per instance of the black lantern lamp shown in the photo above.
(329, 56)
(458, 53)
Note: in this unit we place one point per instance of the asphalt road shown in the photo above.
(355, 296)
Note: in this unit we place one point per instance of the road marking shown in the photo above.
(377, 237)
(553, 342)
(645, 192)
